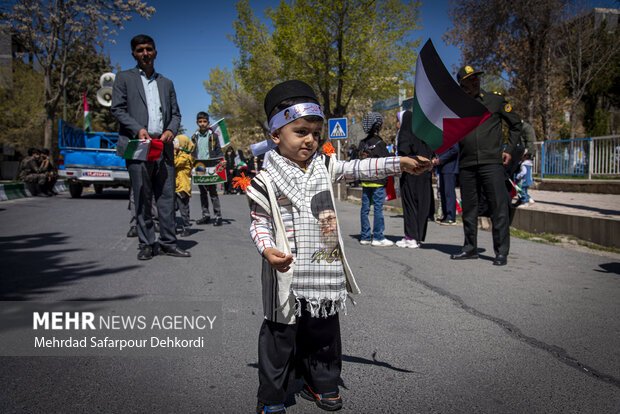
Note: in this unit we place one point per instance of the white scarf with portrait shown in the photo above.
(318, 275)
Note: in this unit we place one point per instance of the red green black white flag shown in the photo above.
(443, 113)
(144, 150)
(88, 117)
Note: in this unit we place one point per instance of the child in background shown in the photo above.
(525, 178)
(305, 274)
(183, 162)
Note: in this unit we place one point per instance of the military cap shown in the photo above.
(467, 71)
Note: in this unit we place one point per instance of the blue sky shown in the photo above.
(191, 39)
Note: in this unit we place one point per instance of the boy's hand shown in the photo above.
(415, 165)
(278, 260)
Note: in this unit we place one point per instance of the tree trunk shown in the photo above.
(49, 128)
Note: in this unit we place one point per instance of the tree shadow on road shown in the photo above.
(34, 265)
(613, 267)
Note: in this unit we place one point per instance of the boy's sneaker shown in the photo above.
(404, 243)
(185, 233)
(531, 201)
(365, 242)
(382, 243)
(329, 401)
(218, 221)
(447, 222)
(276, 408)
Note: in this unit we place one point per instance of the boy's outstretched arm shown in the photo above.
(415, 165)
(278, 260)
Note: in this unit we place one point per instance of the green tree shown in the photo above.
(347, 50)
(585, 50)
(52, 30)
(513, 39)
(22, 111)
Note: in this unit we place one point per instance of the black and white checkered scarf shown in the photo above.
(318, 276)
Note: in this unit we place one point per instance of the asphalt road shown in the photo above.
(428, 334)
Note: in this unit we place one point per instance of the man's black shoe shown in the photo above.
(218, 221)
(133, 232)
(173, 251)
(145, 253)
(203, 220)
(464, 255)
(500, 260)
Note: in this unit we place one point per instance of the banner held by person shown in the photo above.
(221, 132)
(443, 113)
(208, 172)
(144, 150)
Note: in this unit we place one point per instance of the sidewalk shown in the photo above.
(13, 190)
(578, 204)
(586, 216)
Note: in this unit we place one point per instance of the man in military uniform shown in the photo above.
(480, 165)
(30, 173)
(528, 137)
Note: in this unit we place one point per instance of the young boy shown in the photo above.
(305, 274)
(183, 163)
(207, 147)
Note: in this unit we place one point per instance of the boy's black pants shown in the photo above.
(310, 349)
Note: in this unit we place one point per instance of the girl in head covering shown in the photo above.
(183, 162)
(416, 190)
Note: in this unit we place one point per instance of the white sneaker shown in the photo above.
(365, 242)
(404, 243)
(531, 201)
(382, 243)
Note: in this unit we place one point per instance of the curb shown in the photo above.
(12, 191)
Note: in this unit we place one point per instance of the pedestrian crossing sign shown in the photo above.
(337, 128)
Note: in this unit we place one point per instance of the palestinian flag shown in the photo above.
(88, 117)
(219, 129)
(143, 150)
(443, 113)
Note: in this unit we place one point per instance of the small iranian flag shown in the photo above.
(219, 129)
(443, 113)
(144, 150)
(88, 117)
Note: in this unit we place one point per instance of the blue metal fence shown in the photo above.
(565, 157)
(593, 156)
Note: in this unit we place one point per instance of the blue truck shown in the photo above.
(89, 158)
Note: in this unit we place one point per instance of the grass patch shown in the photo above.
(555, 239)
(596, 246)
(545, 238)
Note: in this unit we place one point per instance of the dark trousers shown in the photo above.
(204, 200)
(490, 178)
(417, 198)
(183, 207)
(153, 179)
(310, 349)
(447, 193)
